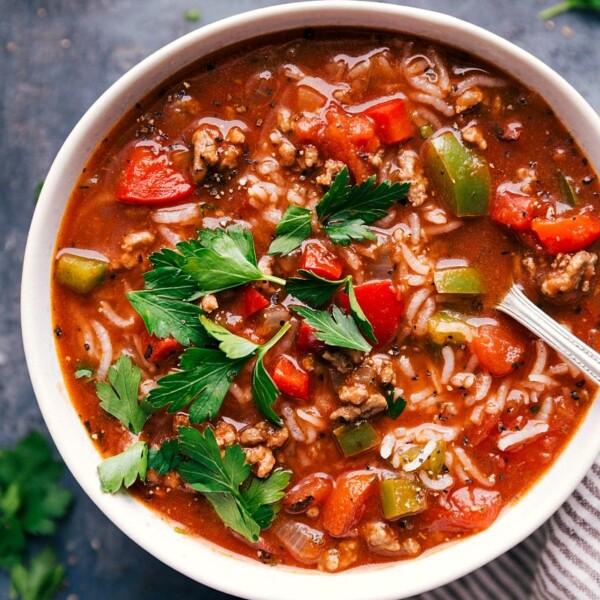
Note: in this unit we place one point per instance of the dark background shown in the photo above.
(56, 58)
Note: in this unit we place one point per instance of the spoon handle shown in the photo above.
(523, 310)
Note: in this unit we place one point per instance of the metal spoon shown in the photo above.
(523, 310)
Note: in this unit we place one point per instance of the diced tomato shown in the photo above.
(347, 503)
(158, 349)
(513, 210)
(313, 490)
(307, 340)
(567, 234)
(381, 305)
(392, 121)
(290, 379)
(470, 509)
(498, 349)
(317, 259)
(342, 136)
(253, 301)
(149, 178)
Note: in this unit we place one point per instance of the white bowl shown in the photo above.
(194, 557)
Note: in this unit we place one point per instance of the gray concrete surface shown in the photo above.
(56, 57)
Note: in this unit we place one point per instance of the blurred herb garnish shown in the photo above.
(567, 5)
(192, 15)
(31, 502)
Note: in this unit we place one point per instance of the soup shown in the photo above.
(274, 295)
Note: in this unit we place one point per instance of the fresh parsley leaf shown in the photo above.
(357, 313)
(232, 345)
(343, 230)
(164, 458)
(192, 15)
(295, 226)
(335, 329)
(30, 499)
(40, 581)
(222, 259)
(203, 380)
(264, 390)
(312, 289)
(567, 5)
(83, 373)
(226, 482)
(30, 504)
(119, 397)
(166, 278)
(345, 210)
(124, 468)
(316, 291)
(396, 406)
(166, 317)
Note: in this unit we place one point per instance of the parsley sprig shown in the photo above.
(567, 5)
(344, 213)
(124, 469)
(245, 503)
(295, 226)
(220, 259)
(264, 390)
(31, 503)
(335, 329)
(316, 291)
(119, 396)
(206, 374)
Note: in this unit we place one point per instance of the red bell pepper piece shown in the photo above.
(381, 305)
(290, 379)
(347, 503)
(149, 178)
(392, 121)
(158, 349)
(320, 261)
(253, 301)
(513, 210)
(307, 340)
(498, 349)
(567, 234)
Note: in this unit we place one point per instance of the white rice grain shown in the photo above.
(449, 362)
(532, 429)
(114, 318)
(471, 468)
(106, 350)
(413, 262)
(182, 215)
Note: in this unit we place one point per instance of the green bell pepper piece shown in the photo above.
(458, 174)
(440, 331)
(80, 273)
(458, 280)
(401, 497)
(355, 438)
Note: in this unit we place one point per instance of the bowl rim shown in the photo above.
(189, 555)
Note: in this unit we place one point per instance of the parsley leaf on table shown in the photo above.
(119, 397)
(164, 458)
(295, 226)
(40, 581)
(567, 5)
(316, 291)
(264, 390)
(203, 380)
(335, 329)
(166, 317)
(124, 468)
(30, 504)
(345, 210)
(243, 502)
